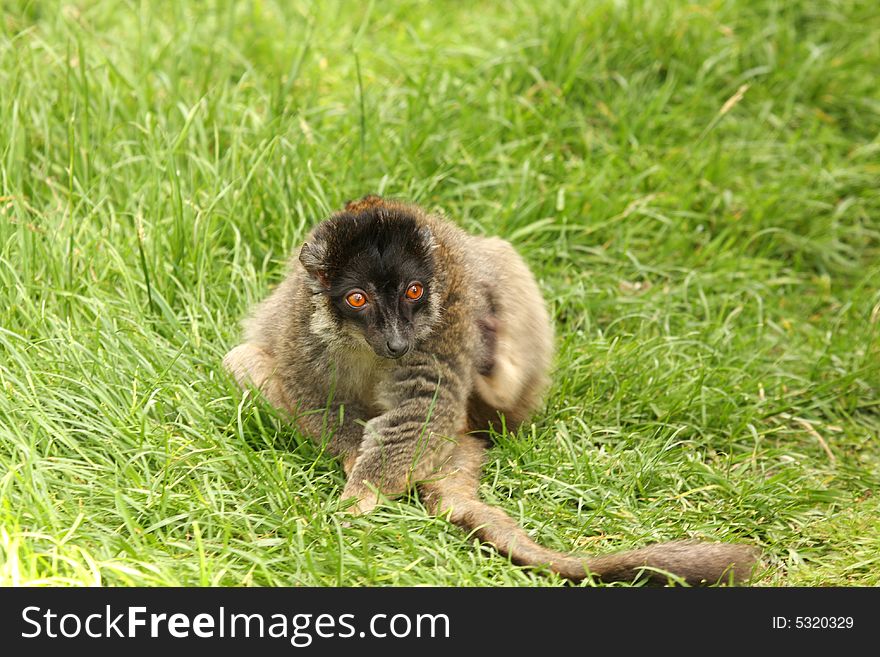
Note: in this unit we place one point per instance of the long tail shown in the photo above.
(455, 491)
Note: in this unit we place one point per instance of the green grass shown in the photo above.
(695, 185)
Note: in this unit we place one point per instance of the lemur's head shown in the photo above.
(372, 270)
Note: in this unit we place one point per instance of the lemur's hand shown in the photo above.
(367, 498)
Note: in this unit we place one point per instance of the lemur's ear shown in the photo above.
(312, 256)
(427, 238)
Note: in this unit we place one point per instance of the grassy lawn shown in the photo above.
(695, 185)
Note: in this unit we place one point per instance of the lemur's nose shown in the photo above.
(397, 347)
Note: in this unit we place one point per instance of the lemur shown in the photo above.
(396, 339)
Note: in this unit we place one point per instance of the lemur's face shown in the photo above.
(373, 272)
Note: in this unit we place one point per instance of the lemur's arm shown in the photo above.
(426, 397)
(338, 425)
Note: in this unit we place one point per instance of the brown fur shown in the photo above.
(484, 347)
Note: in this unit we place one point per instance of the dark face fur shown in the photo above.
(375, 270)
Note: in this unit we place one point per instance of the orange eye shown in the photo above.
(415, 291)
(356, 299)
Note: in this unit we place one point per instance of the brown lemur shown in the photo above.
(393, 339)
